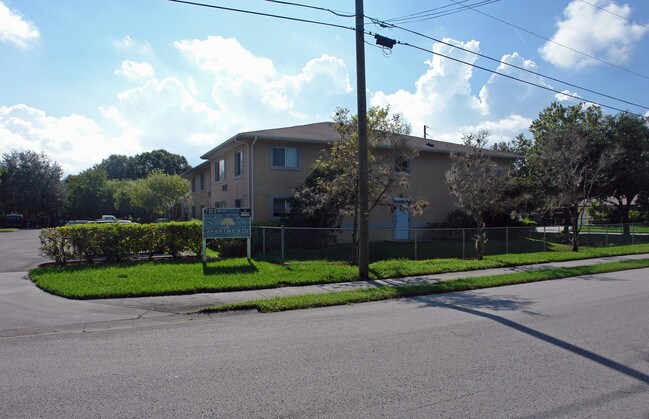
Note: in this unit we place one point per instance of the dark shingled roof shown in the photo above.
(325, 132)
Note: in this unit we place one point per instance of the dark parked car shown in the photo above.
(15, 221)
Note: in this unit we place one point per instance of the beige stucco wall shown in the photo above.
(427, 182)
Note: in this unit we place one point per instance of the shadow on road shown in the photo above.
(473, 303)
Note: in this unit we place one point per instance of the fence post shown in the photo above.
(633, 233)
(463, 244)
(282, 244)
(415, 231)
(506, 240)
(544, 238)
(263, 241)
(606, 235)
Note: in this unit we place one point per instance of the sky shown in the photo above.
(81, 80)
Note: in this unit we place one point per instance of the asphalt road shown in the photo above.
(568, 348)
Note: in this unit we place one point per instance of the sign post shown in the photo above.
(226, 223)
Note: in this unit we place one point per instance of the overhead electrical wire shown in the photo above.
(527, 70)
(250, 12)
(434, 13)
(425, 50)
(613, 13)
(551, 41)
(518, 79)
(307, 6)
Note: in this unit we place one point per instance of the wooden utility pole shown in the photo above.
(363, 186)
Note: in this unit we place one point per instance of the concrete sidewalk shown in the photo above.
(28, 311)
(189, 303)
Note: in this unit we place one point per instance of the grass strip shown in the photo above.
(298, 302)
(169, 277)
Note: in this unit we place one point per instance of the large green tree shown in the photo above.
(31, 185)
(88, 195)
(478, 183)
(568, 160)
(157, 195)
(628, 140)
(333, 183)
(142, 165)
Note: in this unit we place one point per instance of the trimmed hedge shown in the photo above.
(117, 241)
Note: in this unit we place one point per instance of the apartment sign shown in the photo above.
(226, 223)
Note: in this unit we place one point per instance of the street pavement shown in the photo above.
(571, 348)
(27, 310)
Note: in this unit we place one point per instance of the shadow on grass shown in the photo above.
(211, 268)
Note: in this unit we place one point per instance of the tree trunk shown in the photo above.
(480, 239)
(625, 209)
(355, 232)
(574, 236)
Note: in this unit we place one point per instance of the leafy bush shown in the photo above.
(114, 241)
(56, 244)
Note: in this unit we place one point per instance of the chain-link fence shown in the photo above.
(281, 244)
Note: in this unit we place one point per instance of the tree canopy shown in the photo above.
(30, 183)
(142, 165)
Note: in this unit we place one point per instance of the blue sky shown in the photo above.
(81, 80)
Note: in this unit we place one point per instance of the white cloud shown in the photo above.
(443, 98)
(16, 30)
(594, 32)
(442, 94)
(129, 44)
(133, 70)
(74, 141)
(567, 95)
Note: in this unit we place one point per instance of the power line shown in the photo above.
(289, 3)
(437, 12)
(613, 13)
(517, 79)
(550, 40)
(415, 47)
(383, 24)
(250, 12)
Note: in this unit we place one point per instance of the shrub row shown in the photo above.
(116, 241)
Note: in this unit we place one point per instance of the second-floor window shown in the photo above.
(202, 181)
(219, 170)
(193, 183)
(285, 157)
(238, 163)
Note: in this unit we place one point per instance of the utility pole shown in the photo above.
(363, 185)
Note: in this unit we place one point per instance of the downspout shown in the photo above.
(251, 186)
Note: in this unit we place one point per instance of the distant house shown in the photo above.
(260, 169)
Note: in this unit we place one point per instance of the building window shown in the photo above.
(404, 166)
(193, 183)
(281, 207)
(238, 163)
(202, 181)
(237, 203)
(193, 211)
(285, 157)
(219, 170)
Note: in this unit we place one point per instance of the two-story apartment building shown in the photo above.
(260, 169)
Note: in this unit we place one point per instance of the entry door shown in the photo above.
(401, 220)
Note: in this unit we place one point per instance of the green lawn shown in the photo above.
(167, 277)
(388, 292)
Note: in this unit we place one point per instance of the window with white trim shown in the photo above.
(285, 158)
(238, 163)
(281, 207)
(219, 170)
